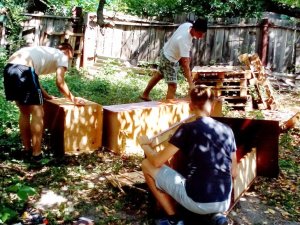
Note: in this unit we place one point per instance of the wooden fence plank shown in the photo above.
(139, 40)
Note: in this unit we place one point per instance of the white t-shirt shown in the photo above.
(43, 59)
(180, 43)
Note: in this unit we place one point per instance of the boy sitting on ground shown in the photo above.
(210, 149)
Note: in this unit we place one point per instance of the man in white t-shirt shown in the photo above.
(175, 52)
(22, 85)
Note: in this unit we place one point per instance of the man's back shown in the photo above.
(43, 59)
(180, 43)
(208, 145)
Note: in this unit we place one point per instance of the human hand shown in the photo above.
(46, 96)
(144, 140)
(79, 101)
(191, 85)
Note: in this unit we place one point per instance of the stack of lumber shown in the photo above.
(228, 82)
(241, 87)
(262, 90)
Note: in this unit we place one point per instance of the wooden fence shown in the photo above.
(135, 39)
(50, 30)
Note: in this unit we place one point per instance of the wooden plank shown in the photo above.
(225, 50)
(246, 173)
(209, 40)
(165, 135)
(108, 41)
(289, 51)
(143, 46)
(218, 46)
(126, 43)
(245, 41)
(100, 41)
(117, 45)
(159, 35)
(235, 43)
(290, 123)
(135, 45)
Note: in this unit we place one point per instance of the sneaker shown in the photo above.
(166, 222)
(219, 219)
(26, 154)
(37, 158)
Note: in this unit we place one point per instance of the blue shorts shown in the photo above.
(21, 84)
(168, 69)
(173, 183)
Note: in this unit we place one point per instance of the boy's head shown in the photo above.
(200, 25)
(66, 48)
(202, 98)
(199, 28)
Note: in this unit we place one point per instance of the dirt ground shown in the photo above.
(252, 208)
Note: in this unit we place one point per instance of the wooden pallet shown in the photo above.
(230, 83)
(264, 98)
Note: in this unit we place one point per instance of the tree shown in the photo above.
(212, 9)
(100, 16)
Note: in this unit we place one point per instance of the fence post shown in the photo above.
(265, 41)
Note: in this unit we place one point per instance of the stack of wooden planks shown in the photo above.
(228, 82)
(241, 87)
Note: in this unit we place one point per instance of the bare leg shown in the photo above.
(171, 90)
(165, 200)
(24, 125)
(37, 126)
(31, 130)
(156, 77)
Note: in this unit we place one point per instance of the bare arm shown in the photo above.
(233, 165)
(185, 64)
(157, 159)
(63, 87)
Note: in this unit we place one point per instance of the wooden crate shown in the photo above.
(123, 124)
(73, 129)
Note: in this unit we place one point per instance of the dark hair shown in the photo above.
(65, 46)
(200, 25)
(200, 94)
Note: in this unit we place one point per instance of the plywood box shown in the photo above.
(73, 129)
(123, 124)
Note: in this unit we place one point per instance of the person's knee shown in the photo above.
(145, 165)
(37, 111)
(148, 168)
(172, 86)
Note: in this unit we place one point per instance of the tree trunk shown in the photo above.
(100, 16)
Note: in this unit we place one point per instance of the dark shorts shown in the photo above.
(21, 84)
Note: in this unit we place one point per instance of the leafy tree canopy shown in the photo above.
(213, 8)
